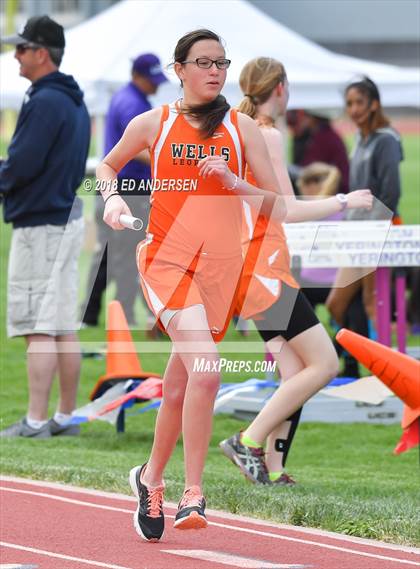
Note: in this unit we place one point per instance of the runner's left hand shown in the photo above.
(217, 166)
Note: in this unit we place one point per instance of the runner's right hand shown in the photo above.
(115, 207)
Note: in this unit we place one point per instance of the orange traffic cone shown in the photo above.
(122, 361)
(409, 439)
(411, 430)
(409, 416)
(398, 371)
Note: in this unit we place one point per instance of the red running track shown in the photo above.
(50, 526)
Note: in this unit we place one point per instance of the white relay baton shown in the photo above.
(131, 222)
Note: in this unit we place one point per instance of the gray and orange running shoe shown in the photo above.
(249, 460)
(190, 514)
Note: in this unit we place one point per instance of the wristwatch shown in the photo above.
(343, 200)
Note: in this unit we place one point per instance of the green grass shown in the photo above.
(349, 481)
(410, 178)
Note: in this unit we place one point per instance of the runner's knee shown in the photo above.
(175, 395)
(329, 366)
(206, 381)
(324, 362)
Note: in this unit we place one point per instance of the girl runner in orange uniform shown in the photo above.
(191, 260)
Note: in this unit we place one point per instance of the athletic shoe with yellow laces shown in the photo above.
(190, 514)
(149, 521)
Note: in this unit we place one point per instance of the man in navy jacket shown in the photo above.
(38, 182)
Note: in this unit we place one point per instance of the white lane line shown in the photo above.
(60, 556)
(317, 544)
(225, 526)
(232, 560)
(67, 500)
(14, 566)
(225, 515)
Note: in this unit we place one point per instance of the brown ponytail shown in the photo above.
(208, 115)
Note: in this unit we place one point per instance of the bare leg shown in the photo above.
(320, 361)
(169, 420)
(289, 365)
(197, 418)
(369, 295)
(41, 365)
(342, 293)
(195, 399)
(68, 373)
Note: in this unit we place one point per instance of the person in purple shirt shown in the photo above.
(114, 257)
(315, 140)
(129, 102)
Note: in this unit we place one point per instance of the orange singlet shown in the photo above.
(266, 262)
(192, 253)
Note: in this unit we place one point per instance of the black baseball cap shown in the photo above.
(40, 30)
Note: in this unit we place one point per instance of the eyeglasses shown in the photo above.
(206, 63)
(22, 47)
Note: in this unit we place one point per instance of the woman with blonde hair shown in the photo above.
(270, 295)
(318, 180)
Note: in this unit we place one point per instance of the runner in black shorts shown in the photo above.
(288, 317)
(269, 294)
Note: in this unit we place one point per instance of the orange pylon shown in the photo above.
(409, 416)
(409, 439)
(122, 361)
(411, 430)
(398, 371)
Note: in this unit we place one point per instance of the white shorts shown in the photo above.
(43, 282)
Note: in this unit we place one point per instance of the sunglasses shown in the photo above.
(22, 47)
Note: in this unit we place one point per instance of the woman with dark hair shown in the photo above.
(270, 296)
(374, 164)
(378, 152)
(191, 260)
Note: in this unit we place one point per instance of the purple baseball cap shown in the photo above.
(148, 65)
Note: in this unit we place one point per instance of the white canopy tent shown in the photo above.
(99, 50)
